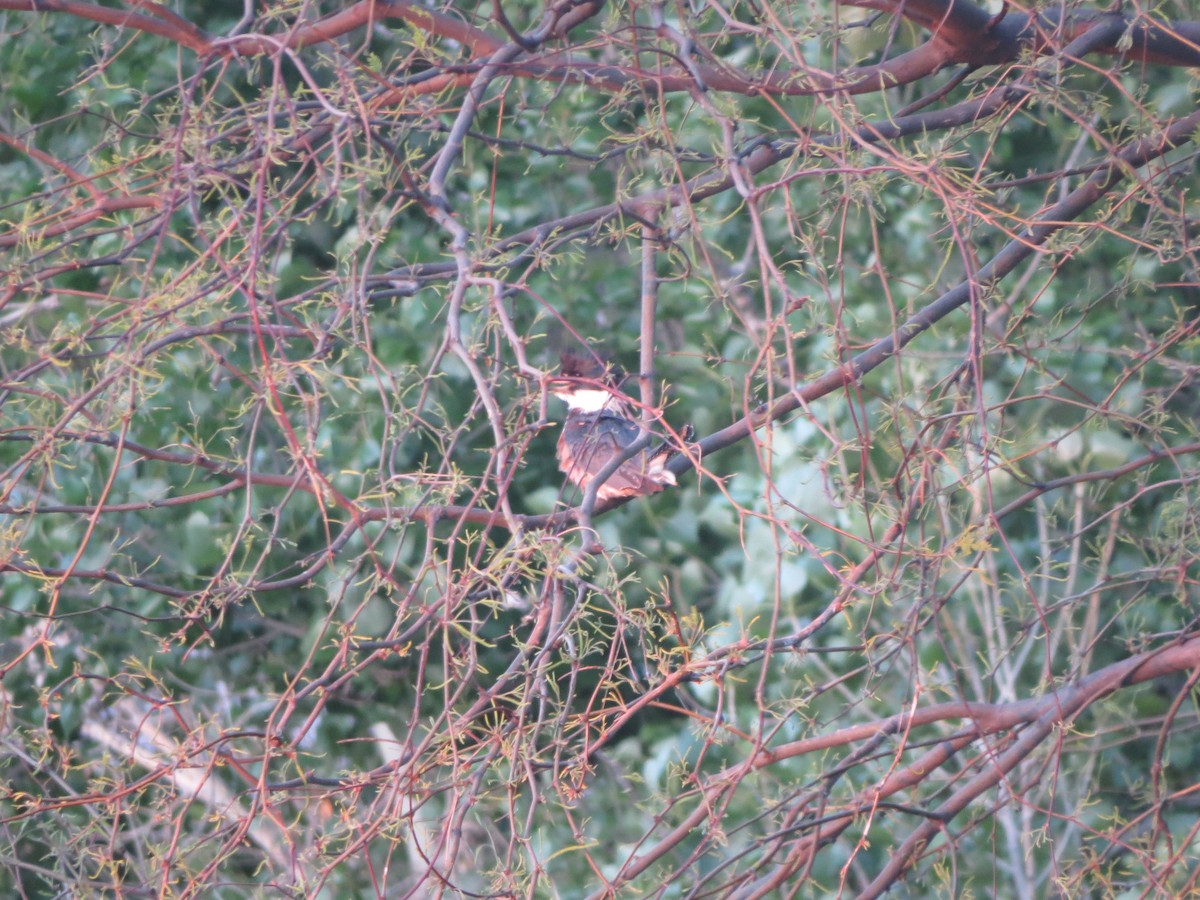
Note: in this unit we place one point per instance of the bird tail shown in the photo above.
(659, 456)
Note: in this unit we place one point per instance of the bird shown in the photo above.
(600, 427)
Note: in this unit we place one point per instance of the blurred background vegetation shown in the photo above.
(294, 601)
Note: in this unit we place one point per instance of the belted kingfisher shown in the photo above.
(599, 427)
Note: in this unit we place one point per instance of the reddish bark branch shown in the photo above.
(1051, 221)
(1045, 713)
(1052, 710)
(177, 30)
(960, 33)
(968, 34)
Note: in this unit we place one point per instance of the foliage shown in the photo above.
(294, 601)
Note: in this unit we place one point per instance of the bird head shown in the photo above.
(587, 383)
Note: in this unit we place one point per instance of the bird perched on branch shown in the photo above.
(599, 428)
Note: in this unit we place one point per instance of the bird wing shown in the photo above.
(590, 441)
